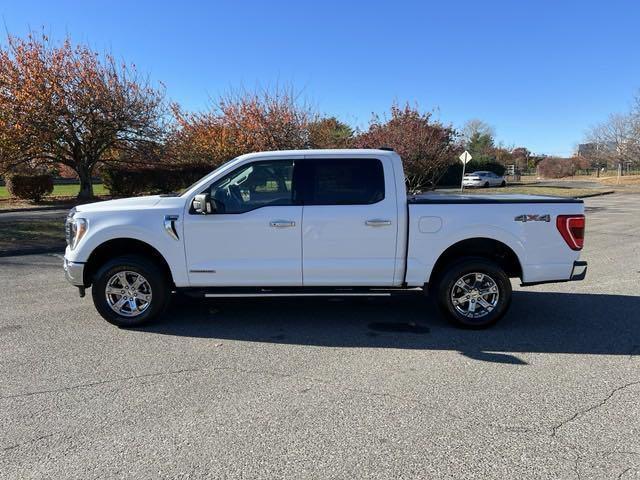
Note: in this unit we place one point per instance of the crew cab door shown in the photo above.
(253, 238)
(349, 224)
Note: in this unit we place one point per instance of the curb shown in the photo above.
(597, 194)
(34, 209)
(31, 251)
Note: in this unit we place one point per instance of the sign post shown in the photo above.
(464, 158)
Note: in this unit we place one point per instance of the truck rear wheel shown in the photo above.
(474, 293)
(129, 291)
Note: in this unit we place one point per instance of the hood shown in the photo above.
(121, 204)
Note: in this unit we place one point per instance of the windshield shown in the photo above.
(186, 189)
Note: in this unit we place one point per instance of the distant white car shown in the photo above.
(483, 179)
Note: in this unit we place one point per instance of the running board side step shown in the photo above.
(336, 294)
(253, 292)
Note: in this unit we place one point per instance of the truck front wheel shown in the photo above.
(474, 293)
(129, 291)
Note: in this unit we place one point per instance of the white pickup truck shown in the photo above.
(319, 222)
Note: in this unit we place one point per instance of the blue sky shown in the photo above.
(541, 72)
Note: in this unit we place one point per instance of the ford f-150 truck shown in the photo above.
(319, 222)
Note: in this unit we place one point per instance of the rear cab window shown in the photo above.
(343, 181)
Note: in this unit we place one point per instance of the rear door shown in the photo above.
(349, 224)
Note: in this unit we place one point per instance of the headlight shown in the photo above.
(75, 228)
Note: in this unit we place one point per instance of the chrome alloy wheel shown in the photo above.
(128, 293)
(475, 295)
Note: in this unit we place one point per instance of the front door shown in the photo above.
(349, 222)
(254, 237)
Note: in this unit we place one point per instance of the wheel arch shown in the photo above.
(484, 247)
(123, 246)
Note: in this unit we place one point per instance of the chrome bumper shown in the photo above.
(74, 273)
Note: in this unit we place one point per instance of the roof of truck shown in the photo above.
(342, 152)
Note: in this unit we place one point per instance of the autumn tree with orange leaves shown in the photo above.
(329, 132)
(65, 104)
(427, 147)
(240, 123)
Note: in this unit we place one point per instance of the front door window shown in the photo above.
(259, 184)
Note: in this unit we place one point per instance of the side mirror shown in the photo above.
(203, 205)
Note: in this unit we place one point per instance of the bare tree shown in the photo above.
(634, 128)
(616, 141)
(476, 128)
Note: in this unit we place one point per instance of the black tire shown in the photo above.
(447, 282)
(503, 184)
(486, 184)
(157, 282)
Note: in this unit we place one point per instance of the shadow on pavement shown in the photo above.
(537, 322)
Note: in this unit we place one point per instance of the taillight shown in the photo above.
(571, 227)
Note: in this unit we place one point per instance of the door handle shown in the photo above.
(282, 223)
(377, 222)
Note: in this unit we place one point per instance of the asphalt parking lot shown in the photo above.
(378, 388)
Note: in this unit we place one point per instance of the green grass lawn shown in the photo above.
(32, 233)
(65, 190)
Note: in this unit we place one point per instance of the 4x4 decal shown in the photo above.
(533, 218)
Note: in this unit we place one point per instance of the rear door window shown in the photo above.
(352, 181)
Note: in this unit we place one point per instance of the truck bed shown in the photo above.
(439, 220)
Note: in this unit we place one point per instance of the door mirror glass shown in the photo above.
(202, 204)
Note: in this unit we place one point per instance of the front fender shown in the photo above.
(147, 228)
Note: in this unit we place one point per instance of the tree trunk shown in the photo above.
(86, 185)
